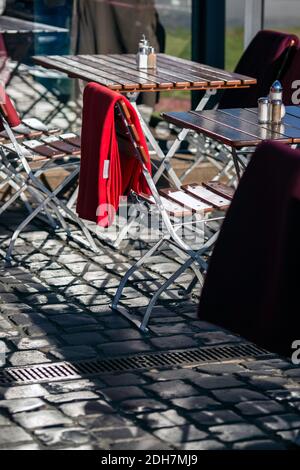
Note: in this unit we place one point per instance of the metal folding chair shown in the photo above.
(21, 170)
(185, 209)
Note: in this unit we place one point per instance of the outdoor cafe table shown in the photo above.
(119, 72)
(17, 26)
(238, 128)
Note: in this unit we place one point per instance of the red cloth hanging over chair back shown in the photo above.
(252, 283)
(106, 171)
(8, 110)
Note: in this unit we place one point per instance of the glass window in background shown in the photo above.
(175, 16)
(234, 40)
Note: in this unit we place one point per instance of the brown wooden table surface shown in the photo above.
(119, 72)
(239, 127)
(10, 25)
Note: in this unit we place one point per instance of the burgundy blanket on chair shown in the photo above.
(264, 59)
(106, 173)
(253, 284)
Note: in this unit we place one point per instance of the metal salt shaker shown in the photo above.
(276, 111)
(263, 110)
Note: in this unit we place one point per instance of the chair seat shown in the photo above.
(192, 198)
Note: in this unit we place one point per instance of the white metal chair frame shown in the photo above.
(179, 246)
(22, 178)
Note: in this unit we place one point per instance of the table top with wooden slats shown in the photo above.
(10, 25)
(239, 127)
(120, 72)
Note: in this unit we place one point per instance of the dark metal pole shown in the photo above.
(208, 34)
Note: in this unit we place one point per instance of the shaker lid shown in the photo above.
(276, 86)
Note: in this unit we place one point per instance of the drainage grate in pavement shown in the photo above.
(79, 369)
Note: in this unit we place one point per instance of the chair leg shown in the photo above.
(133, 268)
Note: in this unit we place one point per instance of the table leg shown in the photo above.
(165, 164)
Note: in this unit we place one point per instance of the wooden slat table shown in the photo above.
(10, 25)
(238, 128)
(119, 72)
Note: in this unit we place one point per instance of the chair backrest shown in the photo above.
(252, 284)
(264, 59)
(291, 80)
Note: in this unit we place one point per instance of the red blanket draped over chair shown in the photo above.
(252, 284)
(101, 183)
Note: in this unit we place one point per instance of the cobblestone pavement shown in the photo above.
(55, 305)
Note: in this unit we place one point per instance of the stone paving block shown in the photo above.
(123, 334)
(59, 309)
(215, 382)
(84, 338)
(73, 353)
(262, 444)
(280, 422)
(123, 347)
(41, 419)
(236, 432)
(73, 385)
(17, 405)
(4, 421)
(23, 391)
(150, 443)
(162, 419)
(140, 405)
(27, 357)
(237, 395)
(72, 320)
(59, 435)
(120, 434)
(12, 446)
(292, 436)
(196, 403)
(172, 374)
(267, 382)
(222, 368)
(83, 408)
(37, 343)
(114, 380)
(176, 328)
(179, 434)
(71, 396)
(123, 393)
(206, 444)
(103, 421)
(253, 408)
(43, 329)
(214, 417)
(172, 389)
(13, 434)
(174, 342)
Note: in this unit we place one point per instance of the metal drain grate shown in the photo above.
(79, 369)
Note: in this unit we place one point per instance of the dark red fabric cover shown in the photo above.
(263, 60)
(8, 110)
(252, 284)
(99, 143)
(291, 80)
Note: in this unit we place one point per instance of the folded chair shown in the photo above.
(23, 165)
(115, 162)
(252, 283)
(266, 59)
